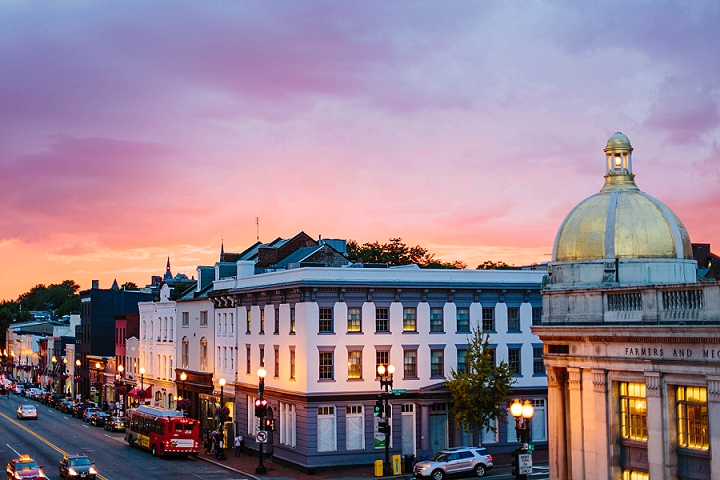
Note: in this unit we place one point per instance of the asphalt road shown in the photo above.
(55, 433)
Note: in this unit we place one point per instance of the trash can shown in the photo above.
(378, 468)
(409, 460)
(396, 465)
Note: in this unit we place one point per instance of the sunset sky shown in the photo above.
(132, 131)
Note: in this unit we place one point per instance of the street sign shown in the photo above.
(525, 464)
(398, 391)
(261, 437)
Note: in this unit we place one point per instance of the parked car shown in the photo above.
(24, 467)
(53, 398)
(77, 466)
(79, 408)
(65, 405)
(455, 461)
(27, 411)
(99, 418)
(115, 424)
(88, 413)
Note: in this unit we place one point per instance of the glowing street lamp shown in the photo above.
(261, 411)
(523, 414)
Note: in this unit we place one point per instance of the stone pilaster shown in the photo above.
(557, 435)
(577, 421)
(602, 432)
(713, 391)
(656, 425)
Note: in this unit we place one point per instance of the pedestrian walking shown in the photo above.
(208, 443)
(239, 441)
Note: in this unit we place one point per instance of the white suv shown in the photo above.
(455, 461)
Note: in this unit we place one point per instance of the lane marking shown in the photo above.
(46, 442)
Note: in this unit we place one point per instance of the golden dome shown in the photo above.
(621, 221)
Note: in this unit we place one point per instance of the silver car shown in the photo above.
(455, 461)
(27, 411)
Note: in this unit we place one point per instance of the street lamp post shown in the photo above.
(523, 414)
(261, 411)
(78, 363)
(183, 377)
(386, 383)
(221, 428)
(142, 384)
(100, 384)
(53, 360)
(120, 383)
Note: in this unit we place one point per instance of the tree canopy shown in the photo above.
(489, 265)
(61, 298)
(479, 392)
(395, 253)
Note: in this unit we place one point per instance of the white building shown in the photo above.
(157, 348)
(321, 333)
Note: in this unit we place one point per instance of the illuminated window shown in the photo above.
(409, 319)
(354, 320)
(635, 475)
(692, 418)
(633, 411)
(354, 364)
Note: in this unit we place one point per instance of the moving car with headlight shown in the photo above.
(77, 466)
(27, 411)
(24, 468)
(115, 424)
(455, 461)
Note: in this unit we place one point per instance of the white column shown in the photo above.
(577, 453)
(655, 425)
(602, 423)
(713, 392)
(557, 439)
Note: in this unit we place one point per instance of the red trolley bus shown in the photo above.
(162, 431)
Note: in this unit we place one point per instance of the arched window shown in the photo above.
(144, 329)
(172, 330)
(185, 353)
(203, 354)
(151, 333)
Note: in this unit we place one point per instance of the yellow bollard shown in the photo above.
(397, 468)
(378, 468)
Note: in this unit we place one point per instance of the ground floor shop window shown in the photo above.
(326, 429)
(633, 411)
(288, 426)
(692, 412)
(354, 428)
(635, 475)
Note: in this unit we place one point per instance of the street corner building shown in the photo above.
(632, 340)
(318, 328)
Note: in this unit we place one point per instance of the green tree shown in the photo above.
(396, 253)
(129, 286)
(479, 392)
(489, 265)
(62, 298)
(10, 312)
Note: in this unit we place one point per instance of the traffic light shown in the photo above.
(269, 424)
(378, 406)
(384, 427)
(260, 407)
(515, 465)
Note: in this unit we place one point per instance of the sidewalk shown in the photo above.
(245, 465)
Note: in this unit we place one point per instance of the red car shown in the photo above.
(24, 468)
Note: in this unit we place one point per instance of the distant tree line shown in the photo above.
(396, 253)
(61, 299)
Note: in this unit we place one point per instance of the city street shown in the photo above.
(55, 433)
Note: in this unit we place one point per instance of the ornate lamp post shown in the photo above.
(386, 382)
(183, 377)
(53, 360)
(78, 363)
(118, 381)
(261, 411)
(221, 418)
(142, 384)
(523, 415)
